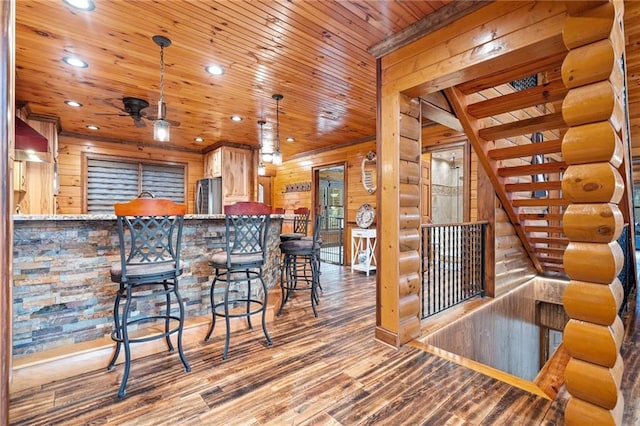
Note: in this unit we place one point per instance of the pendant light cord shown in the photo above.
(277, 124)
(161, 77)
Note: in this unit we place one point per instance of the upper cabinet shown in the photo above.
(234, 166)
(213, 163)
(235, 174)
(19, 176)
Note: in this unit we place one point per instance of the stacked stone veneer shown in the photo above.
(62, 291)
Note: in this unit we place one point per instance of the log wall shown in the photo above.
(594, 110)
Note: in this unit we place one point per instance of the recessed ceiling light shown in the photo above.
(216, 70)
(198, 139)
(86, 5)
(236, 118)
(73, 103)
(92, 127)
(75, 62)
(290, 139)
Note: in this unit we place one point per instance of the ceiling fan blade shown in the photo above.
(139, 122)
(154, 118)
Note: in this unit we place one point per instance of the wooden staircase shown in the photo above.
(517, 136)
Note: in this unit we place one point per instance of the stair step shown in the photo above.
(549, 250)
(552, 241)
(554, 268)
(550, 185)
(526, 150)
(540, 216)
(538, 202)
(538, 95)
(543, 228)
(533, 169)
(546, 259)
(522, 127)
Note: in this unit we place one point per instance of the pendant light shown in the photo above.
(261, 168)
(161, 127)
(277, 155)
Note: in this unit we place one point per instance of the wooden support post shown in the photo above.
(399, 242)
(593, 221)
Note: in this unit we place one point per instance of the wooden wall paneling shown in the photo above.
(72, 181)
(509, 333)
(7, 144)
(594, 369)
(300, 169)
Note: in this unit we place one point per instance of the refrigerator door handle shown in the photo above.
(199, 199)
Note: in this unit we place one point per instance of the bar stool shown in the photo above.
(240, 264)
(301, 264)
(300, 225)
(150, 233)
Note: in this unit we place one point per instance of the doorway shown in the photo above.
(448, 171)
(264, 190)
(329, 184)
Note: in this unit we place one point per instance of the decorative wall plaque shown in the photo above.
(298, 187)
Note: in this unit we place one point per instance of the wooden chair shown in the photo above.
(150, 233)
(239, 265)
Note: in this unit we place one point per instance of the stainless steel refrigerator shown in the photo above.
(209, 196)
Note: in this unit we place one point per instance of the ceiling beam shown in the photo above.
(427, 25)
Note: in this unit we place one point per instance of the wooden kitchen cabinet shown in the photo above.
(19, 176)
(233, 165)
(235, 174)
(213, 163)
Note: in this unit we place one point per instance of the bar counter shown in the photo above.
(62, 291)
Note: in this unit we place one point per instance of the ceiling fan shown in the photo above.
(133, 107)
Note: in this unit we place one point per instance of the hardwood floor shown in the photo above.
(326, 370)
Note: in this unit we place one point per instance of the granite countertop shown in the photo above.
(56, 217)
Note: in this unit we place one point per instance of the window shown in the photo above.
(115, 180)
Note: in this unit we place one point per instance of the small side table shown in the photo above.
(363, 250)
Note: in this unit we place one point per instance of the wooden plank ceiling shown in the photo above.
(315, 53)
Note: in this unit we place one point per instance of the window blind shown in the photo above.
(117, 181)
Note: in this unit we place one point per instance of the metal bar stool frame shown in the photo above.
(242, 261)
(301, 263)
(150, 234)
(300, 225)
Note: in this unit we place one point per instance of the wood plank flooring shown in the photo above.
(319, 371)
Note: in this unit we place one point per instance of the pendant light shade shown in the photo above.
(262, 170)
(277, 155)
(161, 131)
(161, 127)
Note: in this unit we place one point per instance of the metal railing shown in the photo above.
(452, 265)
(331, 233)
(626, 273)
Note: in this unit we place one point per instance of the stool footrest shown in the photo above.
(116, 334)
